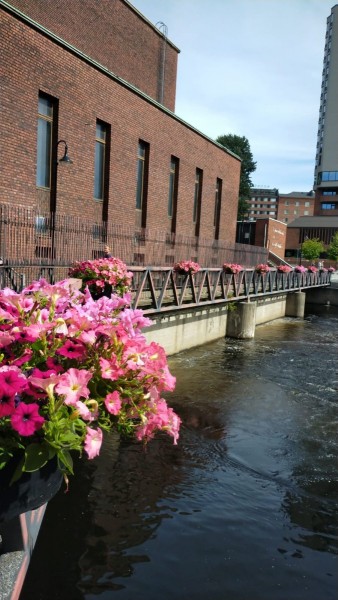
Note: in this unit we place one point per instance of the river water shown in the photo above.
(244, 508)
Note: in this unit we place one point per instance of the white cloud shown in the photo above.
(253, 68)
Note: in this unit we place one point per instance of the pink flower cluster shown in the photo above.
(105, 275)
(312, 269)
(284, 269)
(262, 268)
(71, 367)
(300, 269)
(186, 266)
(331, 269)
(232, 268)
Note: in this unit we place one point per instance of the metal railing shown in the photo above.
(159, 289)
(30, 237)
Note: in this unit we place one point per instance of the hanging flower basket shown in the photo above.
(103, 276)
(30, 492)
(232, 268)
(284, 269)
(300, 269)
(71, 368)
(262, 269)
(186, 266)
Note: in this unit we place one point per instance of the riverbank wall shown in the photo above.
(188, 328)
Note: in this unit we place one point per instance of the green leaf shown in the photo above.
(36, 456)
(65, 458)
(18, 472)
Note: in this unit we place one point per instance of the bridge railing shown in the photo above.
(159, 290)
(156, 289)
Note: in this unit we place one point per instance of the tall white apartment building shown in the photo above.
(326, 169)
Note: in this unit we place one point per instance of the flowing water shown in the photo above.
(244, 508)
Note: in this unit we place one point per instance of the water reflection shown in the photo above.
(246, 501)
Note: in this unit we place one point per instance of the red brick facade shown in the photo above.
(36, 62)
(114, 34)
(271, 234)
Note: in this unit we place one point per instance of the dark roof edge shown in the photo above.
(20, 15)
(135, 10)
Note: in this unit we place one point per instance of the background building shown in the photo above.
(294, 205)
(263, 203)
(266, 233)
(136, 167)
(326, 167)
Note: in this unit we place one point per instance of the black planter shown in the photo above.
(30, 492)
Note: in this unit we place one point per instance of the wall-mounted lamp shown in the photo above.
(65, 158)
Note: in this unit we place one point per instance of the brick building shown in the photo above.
(266, 233)
(294, 205)
(96, 81)
(263, 203)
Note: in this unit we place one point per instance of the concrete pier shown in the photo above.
(295, 305)
(241, 321)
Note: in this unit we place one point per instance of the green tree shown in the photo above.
(332, 250)
(312, 249)
(240, 146)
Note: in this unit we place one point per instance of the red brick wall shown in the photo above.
(318, 211)
(33, 62)
(271, 234)
(293, 207)
(292, 242)
(114, 34)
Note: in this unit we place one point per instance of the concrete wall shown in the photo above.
(188, 329)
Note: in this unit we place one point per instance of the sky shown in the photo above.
(251, 68)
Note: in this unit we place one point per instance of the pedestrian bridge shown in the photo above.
(194, 309)
(158, 290)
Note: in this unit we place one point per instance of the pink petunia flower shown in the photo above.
(73, 384)
(93, 442)
(12, 381)
(110, 369)
(113, 403)
(7, 405)
(26, 419)
(72, 349)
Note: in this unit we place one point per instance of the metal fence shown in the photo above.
(28, 237)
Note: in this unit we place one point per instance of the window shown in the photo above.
(286, 203)
(297, 203)
(197, 200)
(45, 139)
(306, 212)
(328, 206)
(329, 193)
(41, 225)
(328, 176)
(217, 208)
(286, 212)
(306, 203)
(101, 166)
(142, 179)
(173, 187)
